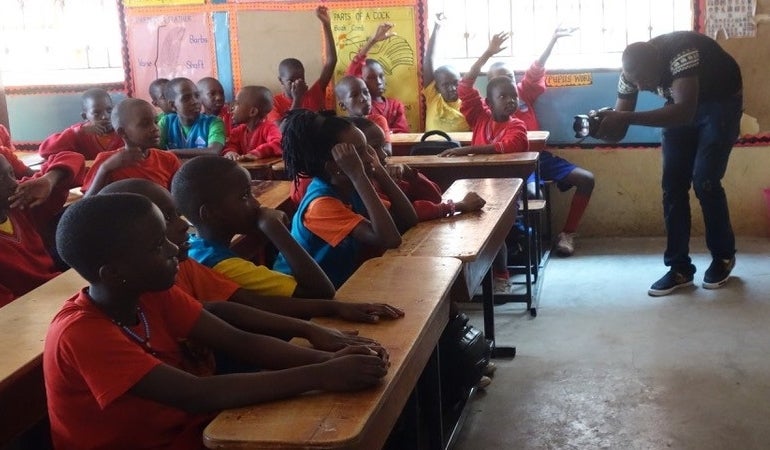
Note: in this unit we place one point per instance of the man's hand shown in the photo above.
(613, 125)
(367, 312)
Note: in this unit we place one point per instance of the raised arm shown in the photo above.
(495, 47)
(357, 64)
(322, 12)
(428, 63)
(559, 32)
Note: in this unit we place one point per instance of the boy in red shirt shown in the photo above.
(213, 100)
(88, 138)
(26, 207)
(113, 354)
(291, 75)
(134, 122)
(253, 136)
(374, 76)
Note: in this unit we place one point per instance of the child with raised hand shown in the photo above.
(552, 167)
(341, 211)
(424, 194)
(291, 75)
(495, 130)
(134, 121)
(214, 194)
(440, 84)
(132, 378)
(371, 71)
(222, 296)
(90, 137)
(157, 89)
(187, 132)
(213, 100)
(26, 208)
(254, 136)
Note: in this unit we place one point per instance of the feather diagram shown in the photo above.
(391, 53)
(169, 44)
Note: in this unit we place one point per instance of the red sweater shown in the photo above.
(264, 140)
(508, 137)
(314, 100)
(530, 88)
(75, 139)
(390, 108)
(159, 167)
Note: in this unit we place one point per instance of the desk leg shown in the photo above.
(429, 395)
(489, 319)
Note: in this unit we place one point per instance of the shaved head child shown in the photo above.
(213, 100)
(157, 94)
(187, 132)
(254, 136)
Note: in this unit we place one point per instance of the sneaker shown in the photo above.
(490, 369)
(670, 282)
(565, 244)
(718, 273)
(484, 382)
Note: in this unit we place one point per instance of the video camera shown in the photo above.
(588, 124)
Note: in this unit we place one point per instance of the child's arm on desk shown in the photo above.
(401, 208)
(311, 279)
(293, 370)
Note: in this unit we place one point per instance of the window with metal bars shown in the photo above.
(605, 28)
(60, 42)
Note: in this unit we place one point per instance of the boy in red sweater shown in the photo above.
(26, 207)
(291, 74)
(134, 122)
(374, 76)
(254, 136)
(88, 138)
(213, 100)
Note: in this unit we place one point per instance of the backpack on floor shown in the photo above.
(425, 147)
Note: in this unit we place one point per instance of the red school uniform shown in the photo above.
(227, 118)
(75, 139)
(264, 140)
(18, 166)
(390, 108)
(314, 100)
(508, 137)
(90, 365)
(529, 89)
(159, 167)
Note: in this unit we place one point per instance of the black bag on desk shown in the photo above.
(425, 147)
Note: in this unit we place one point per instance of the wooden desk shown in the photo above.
(445, 170)
(402, 142)
(271, 193)
(30, 159)
(260, 168)
(357, 420)
(23, 326)
(473, 238)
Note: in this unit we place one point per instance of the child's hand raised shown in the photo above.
(471, 202)
(441, 19)
(561, 31)
(496, 43)
(347, 159)
(322, 13)
(383, 32)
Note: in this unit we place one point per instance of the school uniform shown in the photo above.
(390, 108)
(158, 166)
(76, 139)
(382, 122)
(24, 261)
(507, 137)
(18, 166)
(5, 137)
(202, 133)
(314, 100)
(227, 119)
(441, 114)
(263, 141)
(90, 364)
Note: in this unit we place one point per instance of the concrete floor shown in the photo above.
(606, 366)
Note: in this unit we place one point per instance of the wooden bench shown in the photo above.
(23, 326)
(357, 420)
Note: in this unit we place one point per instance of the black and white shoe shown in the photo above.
(718, 273)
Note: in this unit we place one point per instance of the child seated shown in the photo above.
(213, 100)
(424, 194)
(354, 98)
(187, 132)
(88, 138)
(157, 89)
(291, 75)
(341, 212)
(253, 136)
(17, 165)
(26, 207)
(214, 194)
(552, 167)
(374, 76)
(134, 121)
(242, 308)
(114, 357)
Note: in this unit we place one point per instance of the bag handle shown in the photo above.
(428, 134)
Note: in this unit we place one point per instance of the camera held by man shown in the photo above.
(586, 125)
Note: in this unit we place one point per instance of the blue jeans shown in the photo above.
(697, 154)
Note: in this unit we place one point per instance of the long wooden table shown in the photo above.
(23, 326)
(356, 420)
(473, 238)
(402, 142)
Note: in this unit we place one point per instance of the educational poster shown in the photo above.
(734, 18)
(169, 46)
(398, 55)
(140, 3)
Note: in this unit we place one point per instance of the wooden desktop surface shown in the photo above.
(271, 193)
(261, 168)
(403, 142)
(473, 238)
(356, 420)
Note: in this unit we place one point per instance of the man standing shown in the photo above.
(701, 119)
